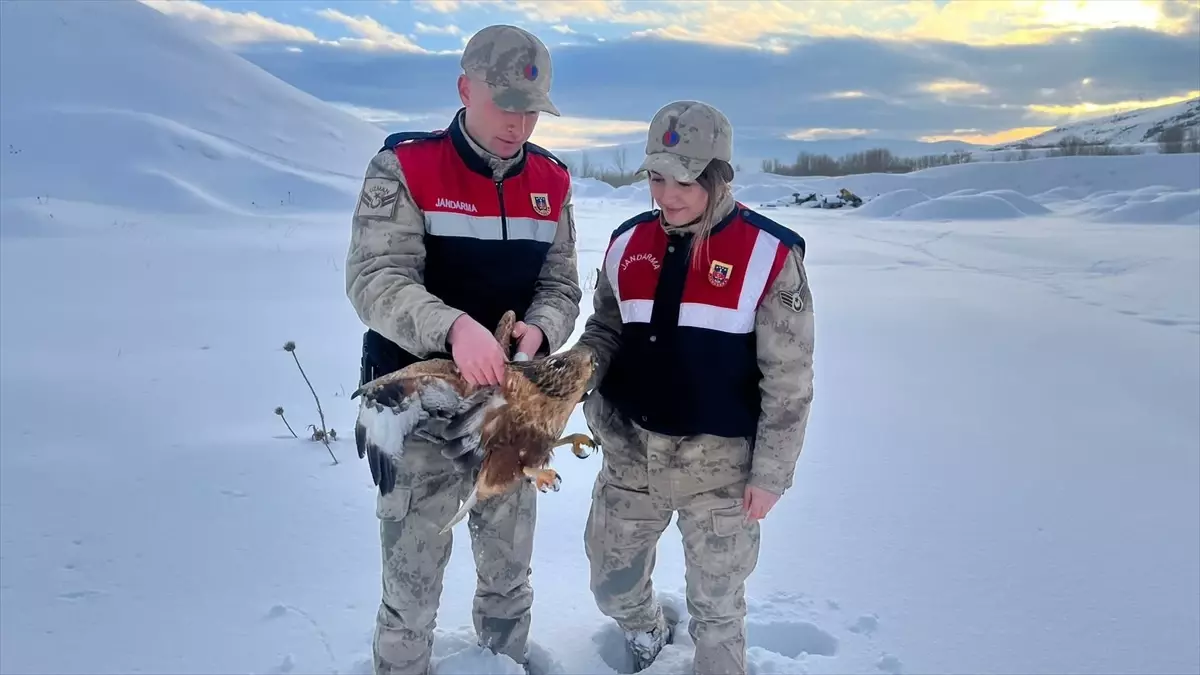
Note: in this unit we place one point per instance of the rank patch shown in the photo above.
(378, 198)
(792, 300)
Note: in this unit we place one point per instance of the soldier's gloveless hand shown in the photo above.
(529, 338)
(476, 352)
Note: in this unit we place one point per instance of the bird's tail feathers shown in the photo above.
(462, 512)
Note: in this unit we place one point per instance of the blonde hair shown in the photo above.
(715, 179)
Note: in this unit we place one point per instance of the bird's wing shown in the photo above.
(427, 399)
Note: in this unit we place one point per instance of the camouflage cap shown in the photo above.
(684, 137)
(514, 64)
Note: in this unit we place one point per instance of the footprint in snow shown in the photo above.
(791, 638)
(783, 630)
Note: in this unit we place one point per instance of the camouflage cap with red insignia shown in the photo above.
(516, 66)
(684, 137)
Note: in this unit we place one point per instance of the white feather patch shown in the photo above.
(388, 428)
(462, 512)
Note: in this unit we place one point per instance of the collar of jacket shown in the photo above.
(471, 157)
(727, 206)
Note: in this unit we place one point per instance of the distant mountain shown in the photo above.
(1129, 128)
(750, 152)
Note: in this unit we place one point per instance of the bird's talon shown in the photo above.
(546, 479)
(577, 443)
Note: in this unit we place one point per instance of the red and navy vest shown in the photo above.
(687, 361)
(485, 239)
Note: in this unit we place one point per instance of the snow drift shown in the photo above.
(159, 119)
(983, 190)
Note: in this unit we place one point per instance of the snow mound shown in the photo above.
(590, 188)
(1020, 202)
(1168, 207)
(1061, 193)
(760, 193)
(168, 122)
(888, 204)
(1081, 175)
(1081, 186)
(964, 207)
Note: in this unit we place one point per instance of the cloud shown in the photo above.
(559, 133)
(375, 36)
(851, 68)
(903, 90)
(243, 29)
(233, 28)
(427, 29)
(774, 25)
(821, 133)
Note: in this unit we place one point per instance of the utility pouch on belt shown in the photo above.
(380, 356)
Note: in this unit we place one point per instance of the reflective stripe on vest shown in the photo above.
(455, 224)
(723, 296)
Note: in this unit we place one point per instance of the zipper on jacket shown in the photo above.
(503, 216)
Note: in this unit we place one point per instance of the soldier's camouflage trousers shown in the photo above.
(645, 479)
(428, 493)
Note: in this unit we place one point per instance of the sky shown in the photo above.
(973, 70)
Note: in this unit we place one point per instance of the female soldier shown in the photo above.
(703, 326)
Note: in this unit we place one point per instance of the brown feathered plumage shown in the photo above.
(508, 431)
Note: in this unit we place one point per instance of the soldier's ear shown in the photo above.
(464, 90)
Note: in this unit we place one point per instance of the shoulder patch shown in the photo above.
(640, 218)
(539, 150)
(407, 136)
(790, 238)
(378, 198)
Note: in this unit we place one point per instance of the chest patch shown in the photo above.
(719, 273)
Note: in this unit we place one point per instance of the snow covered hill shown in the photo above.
(1136, 127)
(114, 103)
(998, 477)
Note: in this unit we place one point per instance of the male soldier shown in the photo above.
(452, 229)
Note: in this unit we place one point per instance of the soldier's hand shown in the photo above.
(758, 502)
(476, 352)
(529, 338)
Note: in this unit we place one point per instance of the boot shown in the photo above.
(644, 645)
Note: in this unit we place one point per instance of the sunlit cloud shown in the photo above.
(1088, 109)
(950, 87)
(556, 133)
(233, 28)
(374, 35)
(775, 24)
(822, 134)
(981, 138)
(427, 29)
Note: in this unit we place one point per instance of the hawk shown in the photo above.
(507, 431)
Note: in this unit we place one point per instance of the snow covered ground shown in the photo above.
(1000, 474)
